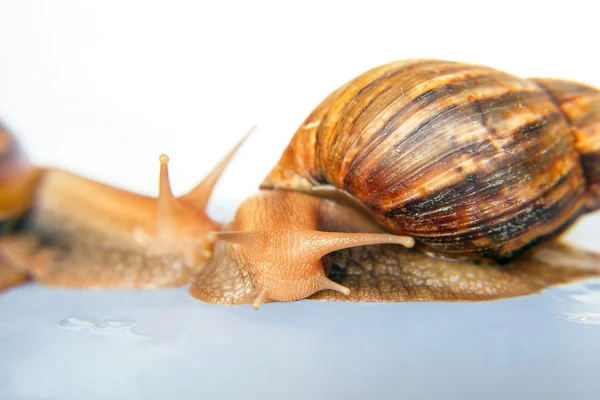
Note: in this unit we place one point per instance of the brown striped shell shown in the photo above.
(17, 178)
(17, 184)
(470, 161)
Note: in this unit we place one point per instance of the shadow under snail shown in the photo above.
(477, 169)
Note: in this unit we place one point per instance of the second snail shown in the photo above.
(478, 170)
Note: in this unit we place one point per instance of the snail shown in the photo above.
(121, 238)
(471, 163)
(476, 169)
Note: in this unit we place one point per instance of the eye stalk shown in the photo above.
(182, 223)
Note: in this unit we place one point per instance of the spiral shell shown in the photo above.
(470, 161)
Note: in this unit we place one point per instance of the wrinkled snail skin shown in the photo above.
(470, 161)
(279, 238)
(470, 165)
(269, 253)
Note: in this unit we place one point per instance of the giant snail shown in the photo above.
(478, 169)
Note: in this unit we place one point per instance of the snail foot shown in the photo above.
(286, 265)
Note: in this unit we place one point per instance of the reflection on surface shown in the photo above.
(520, 348)
(514, 348)
(122, 328)
(587, 294)
(582, 318)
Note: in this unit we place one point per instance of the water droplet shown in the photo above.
(581, 318)
(108, 325)
(588, 293)
(74, 323)
(101, 327)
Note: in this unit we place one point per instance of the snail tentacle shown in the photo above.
(200, 195)
(259, 299)
(317, 244)
(166, 201)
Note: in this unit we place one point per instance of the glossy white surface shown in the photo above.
(164, 344)
(102, 88)
(155, 344)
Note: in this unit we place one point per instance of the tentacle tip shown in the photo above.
(259, 300)
(345, 291)
(409, 242)
(164, 159)
(331, 285)
(251, 130)
(206, 254)
(212, 237)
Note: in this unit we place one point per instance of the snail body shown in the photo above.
(122, 239)
(469, 164)
(280, 239)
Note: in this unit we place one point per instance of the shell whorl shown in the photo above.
(580, 104)
(471, 161)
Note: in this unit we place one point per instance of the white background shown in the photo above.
(103, 87)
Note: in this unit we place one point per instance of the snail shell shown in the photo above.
(18, 178)
(470, 161)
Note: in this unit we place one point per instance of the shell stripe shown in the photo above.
(467, 159)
